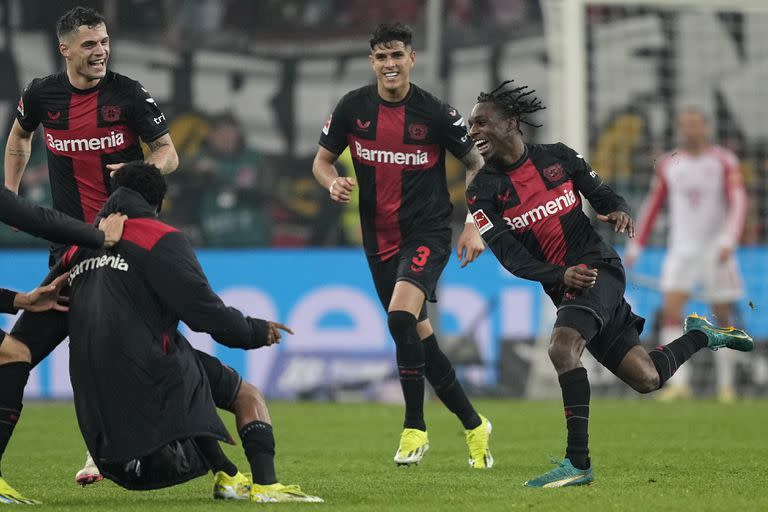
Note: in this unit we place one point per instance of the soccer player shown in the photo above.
(147, 429)
(397, 134)
(526, 203)
(93, 120)
(707, 204)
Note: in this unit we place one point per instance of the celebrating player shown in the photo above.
(93, 119)
(143, 287)
(397, 134)
(707, 205)
(526, 203)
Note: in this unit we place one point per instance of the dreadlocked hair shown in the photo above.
(514, 102)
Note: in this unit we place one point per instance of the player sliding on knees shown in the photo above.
(526, 203)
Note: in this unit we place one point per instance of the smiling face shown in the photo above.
(86, 52)
(494, 135)
(392, 63)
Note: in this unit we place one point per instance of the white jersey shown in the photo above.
(705, 197)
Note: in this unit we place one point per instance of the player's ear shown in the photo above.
(64, 49)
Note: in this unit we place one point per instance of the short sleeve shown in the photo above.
(454, 132)
(145, 116)
(333, 136)
(28, 109)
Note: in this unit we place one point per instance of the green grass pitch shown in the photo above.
(647, 457)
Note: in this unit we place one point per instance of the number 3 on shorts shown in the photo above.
(422, 254)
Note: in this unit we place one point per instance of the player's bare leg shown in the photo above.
(441, 375)
(678, 388)
(646, 372)
(404, 308)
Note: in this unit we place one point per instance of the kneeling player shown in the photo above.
(156, 424)
(527, 206)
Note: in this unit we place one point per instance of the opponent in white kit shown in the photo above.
(706, 201)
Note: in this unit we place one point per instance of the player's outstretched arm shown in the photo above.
(175, 275)
(48, 224)
(339, 187)
(17, 151)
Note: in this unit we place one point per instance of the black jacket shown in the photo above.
(139, 388)
(43, 223)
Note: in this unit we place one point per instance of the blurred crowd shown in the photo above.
(228, 23)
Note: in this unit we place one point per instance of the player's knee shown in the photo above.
(565, 349)
(648, 381)
(248, 397)
(402, 327)
(14, 351)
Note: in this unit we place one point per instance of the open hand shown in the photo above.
(43, 298)
(621, 220)
(112, 226)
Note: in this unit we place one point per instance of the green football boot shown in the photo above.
(718, 337)
(564, 475)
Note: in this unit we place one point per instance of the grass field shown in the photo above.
(647, 457)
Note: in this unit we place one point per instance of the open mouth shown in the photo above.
(482, 145)
(97, 64)
(391, 74)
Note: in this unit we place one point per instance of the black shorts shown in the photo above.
(225, 382)
(41, 332)
(420, 261)
(602, 316)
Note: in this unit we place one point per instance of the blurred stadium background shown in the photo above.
(248, 84)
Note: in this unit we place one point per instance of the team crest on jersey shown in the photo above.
(111, 113)
(482, 222)
(417, 131)
(327, 126)
(553, 172)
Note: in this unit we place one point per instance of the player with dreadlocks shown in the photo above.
(526, 205)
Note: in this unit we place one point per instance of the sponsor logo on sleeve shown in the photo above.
(482, 222)
(327, 126)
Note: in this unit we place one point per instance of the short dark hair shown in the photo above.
(388, 32)
(143, 178)
(78, 17)
(513, 102)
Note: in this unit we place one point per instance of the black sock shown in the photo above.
(440, 373)
(13, 378)
(410, 365)
(215, 455)
(575, 387)
(668, 358)
(259, 446)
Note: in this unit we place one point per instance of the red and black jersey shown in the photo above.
(87, 129)
(530, 213)
(398, 150)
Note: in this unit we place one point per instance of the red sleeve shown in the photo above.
(652, 205)
(735, 196)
